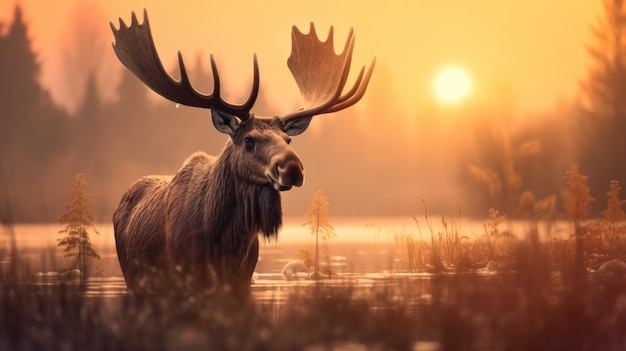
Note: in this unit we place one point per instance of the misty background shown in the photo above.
(370, 160)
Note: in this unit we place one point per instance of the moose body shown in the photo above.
(194, 220)
(204, 221)
(206, 218)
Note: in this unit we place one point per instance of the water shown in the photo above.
(367, 230)
(360, 248)
(363, 253)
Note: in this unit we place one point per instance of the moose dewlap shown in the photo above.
(203, 222)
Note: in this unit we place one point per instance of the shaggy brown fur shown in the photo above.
(203, 222)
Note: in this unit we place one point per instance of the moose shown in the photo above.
(204, 221)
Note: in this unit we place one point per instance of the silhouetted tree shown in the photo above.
(132, 93)
(605, 86)
(91, 103)
(78, 221)
(604, 121)
(19, 66)
(126, 120)
(89, 121)
(84, 50)
(19, 87)
(33, 130)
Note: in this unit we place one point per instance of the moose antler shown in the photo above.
(321, 74)
(135, 48)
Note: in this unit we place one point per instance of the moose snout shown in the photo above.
(287, 173)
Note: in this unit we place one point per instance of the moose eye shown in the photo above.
(289, 141)
(249, 143)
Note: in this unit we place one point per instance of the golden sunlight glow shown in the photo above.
(452, 84)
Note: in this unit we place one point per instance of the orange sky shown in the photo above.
(535, 48)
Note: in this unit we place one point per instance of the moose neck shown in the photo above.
(251, 207)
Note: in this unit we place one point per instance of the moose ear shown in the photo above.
(297, 126)
(225, 122)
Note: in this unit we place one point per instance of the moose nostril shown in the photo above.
(295, 173)
(290, 172)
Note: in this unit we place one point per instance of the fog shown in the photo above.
(381, 157)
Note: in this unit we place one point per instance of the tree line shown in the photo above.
(517, 167)
(43, 145)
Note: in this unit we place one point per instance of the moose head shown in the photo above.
(320, 74)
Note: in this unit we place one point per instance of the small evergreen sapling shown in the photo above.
(319, 225)
(78, 221)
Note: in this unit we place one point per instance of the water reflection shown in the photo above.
(91, 287)
(265, 288)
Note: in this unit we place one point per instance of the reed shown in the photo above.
(446, 312)
(446, 248)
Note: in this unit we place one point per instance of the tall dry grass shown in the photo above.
(592, 242)
(446, 248)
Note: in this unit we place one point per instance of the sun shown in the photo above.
(452, 84)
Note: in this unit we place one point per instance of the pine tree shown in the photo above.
(32, 128)
(317, 221)
(78, 220)
(91, 104)
(19, 64)
(604, 88)
(19, 84)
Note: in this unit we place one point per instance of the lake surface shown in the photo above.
(363, 253)
(368, 230)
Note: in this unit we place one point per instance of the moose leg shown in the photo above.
(248, 264)
(241, 278)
